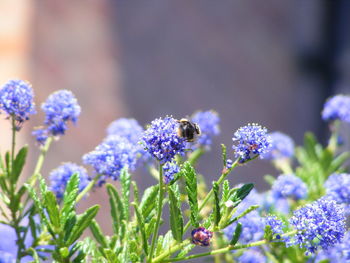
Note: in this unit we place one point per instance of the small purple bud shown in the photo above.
(229, 163)
(201, 236)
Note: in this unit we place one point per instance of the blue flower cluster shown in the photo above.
(289, 186)
(170, 169)
(60, 176)
(337, 254)
(8, 246)
(162, 141)
(252, 256)
(130, 130)
(16, 100)
(208, 121)
(127, 128)
(319, 224)
(252, 228)
(275, 224)
(338, 189)
(60, 107)
(282, 146)
(253, 140)
(337, 108)
(111, 156)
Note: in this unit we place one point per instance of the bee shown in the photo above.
(188, 130)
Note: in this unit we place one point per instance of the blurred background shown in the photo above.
(274, 64)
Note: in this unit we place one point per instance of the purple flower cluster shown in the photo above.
(131, 130)
(282, 146)
(208, 121)
(60, 176)
(162, 141)
(8, 246)
(289, 186)
(338, 188)
(337, 254)
(60, 107)
(252, 228)
(16, 100)
(111, 156)
(275, 224)
(170, 169)
(252, 256)
(319, 224)
(127, 128)
(253, 140)
(337, 108)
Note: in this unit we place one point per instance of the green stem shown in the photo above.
(88, 188)
(159, 212)
(195, 155)
(40, 162)
(223, 176)
(13, 146)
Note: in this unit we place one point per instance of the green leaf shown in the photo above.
(83, 221)
(52, 209)
(148, 203)
(224, 154)
(125, 180)
(217, 215)
(338, 161)
(176, 220)
(244, 191)
(111, 256)
(191, 189)
(310, 143)
(225, 191)
(69, 197)
(116, 208)
(236, 235)
(97, 233)
(136, 192)
(37, 204)
(141, 225)
(185, 250)
(8, 162)
(19, 163)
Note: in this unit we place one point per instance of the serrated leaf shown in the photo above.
(236, 235)
(69, 225)
(111, 256)
(117, 210)
(150, 227)
(69, 197)
(176, 220)
(19, 163)
(125, 180)
(225, 191)
(52, 209)
(147, 203)
(224, 154)
(217, 215)
(83, 221)
(185, 250)
(97, 233)
(141, 225)
(191, 189)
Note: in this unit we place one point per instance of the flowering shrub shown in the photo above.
(302, 218)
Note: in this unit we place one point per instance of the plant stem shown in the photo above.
(159, 212)
(88, 187)
(13, 147)
(209, 195)
(40, 162)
